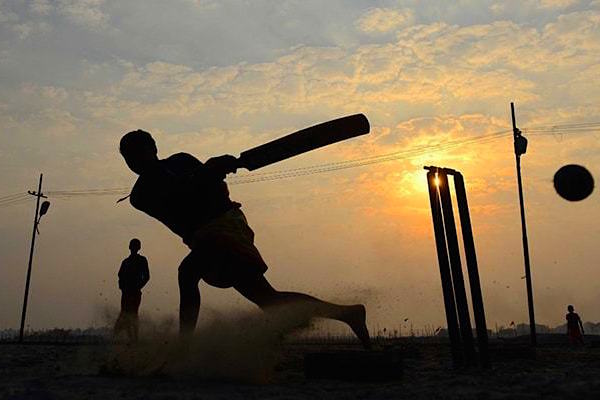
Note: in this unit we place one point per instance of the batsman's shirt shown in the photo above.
(182, 193)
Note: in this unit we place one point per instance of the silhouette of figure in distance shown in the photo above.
(574, 326)
(133, 276)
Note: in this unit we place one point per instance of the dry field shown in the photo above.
(166, 371)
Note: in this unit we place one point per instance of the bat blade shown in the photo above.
(304, 140)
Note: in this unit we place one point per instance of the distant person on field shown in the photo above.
(133, 276)
(191, 198)
(574, 327)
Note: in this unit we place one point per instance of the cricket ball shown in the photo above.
(573, 182)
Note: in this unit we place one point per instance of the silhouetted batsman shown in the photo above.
(191, 198)
(133, 276)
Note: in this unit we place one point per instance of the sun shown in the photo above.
(436, 180)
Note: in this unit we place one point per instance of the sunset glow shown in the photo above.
(349, 221)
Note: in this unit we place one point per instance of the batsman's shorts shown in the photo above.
(223, 252)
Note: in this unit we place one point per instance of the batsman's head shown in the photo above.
(139, 150)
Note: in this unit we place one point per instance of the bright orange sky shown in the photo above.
(211, 78)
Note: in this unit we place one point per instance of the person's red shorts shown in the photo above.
(575, 335)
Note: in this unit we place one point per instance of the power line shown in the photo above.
(564, 126)
(11, 197)
(541, 130)
(14, 202)
(308, 170)
(87, 192)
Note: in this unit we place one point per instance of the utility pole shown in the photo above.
(520, 143)
(36, 221)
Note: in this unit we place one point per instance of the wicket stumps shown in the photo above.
(453, 286)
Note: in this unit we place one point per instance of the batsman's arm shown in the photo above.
(214, 169)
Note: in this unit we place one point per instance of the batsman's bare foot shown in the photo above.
(357, 319)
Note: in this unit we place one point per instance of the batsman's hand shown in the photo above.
(224, 164)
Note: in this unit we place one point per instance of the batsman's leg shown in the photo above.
(259, 291)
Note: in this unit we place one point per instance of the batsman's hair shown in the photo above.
(135, 242)
(133, 141)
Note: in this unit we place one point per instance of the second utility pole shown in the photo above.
(520, 143)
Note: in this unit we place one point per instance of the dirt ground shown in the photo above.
(38, 371)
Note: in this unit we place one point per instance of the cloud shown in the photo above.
(18, 25)
(428, 64)
(7, 15)
(205, 5)
(557, 4)
(87, 13)
(428, 69)
(532, 9)
(384, 20)
(56, 95)
(23, 30)
(431, 68)
(41, 7)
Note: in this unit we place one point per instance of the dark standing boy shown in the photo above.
(133, 276)
(191, 198)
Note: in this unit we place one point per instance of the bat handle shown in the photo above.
(240, 163)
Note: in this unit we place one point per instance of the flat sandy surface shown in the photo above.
(93, 372)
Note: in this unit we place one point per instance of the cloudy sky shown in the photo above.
(210, 77)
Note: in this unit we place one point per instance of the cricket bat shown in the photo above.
(304, 140)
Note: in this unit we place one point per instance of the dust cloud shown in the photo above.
(239, 347)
